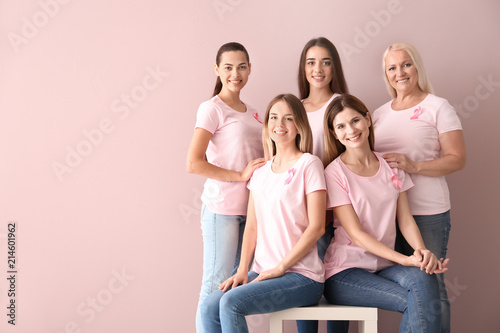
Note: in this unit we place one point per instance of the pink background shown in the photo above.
(76, 78)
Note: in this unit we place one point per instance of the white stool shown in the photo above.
(367, 317)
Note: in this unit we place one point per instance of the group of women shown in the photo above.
(270, 240)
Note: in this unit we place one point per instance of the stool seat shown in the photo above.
(367, 317)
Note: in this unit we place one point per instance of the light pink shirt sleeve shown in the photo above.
(282, 216)
(447, 119)
(236, 140)
(374, 199)
(314, 177)
(415, 132)
(338, 190)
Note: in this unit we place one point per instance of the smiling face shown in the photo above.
(233, 70)
(351, 128)
(401, 72)
(281, 124)
(318, 67)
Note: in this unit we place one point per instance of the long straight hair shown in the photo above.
(304, 140)
(228, 47)
(338, 84)
(333, 147)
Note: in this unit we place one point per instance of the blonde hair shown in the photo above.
(333, 147)
(423, 80)
(303, 141)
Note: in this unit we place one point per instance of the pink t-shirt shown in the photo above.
(236, 140)
(316, 120)
(281, 212)
(415, 133)
(374, 200)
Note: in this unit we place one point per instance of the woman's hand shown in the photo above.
(234, 281)
(444, 264)
(247, 173)
(401, 161)
(196, 161)
(426, 260)
(271, 273)
(452, 158)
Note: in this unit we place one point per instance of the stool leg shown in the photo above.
(367, 326)
(276, 325)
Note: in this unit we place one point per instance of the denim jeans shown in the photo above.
(407, 290)
(333, 326)
(435, 230)
(226, 311)
(311, 326)
(325, 240)
(222, 238)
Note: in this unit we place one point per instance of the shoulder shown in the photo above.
(334, 169)
(384, 166)
(381, 109)
(434, 101)
(310, 166)
(431, 98)
(399, 178)
(309, 160)
(335, 95)
(444, 113)
(263, 169)
(260, 174)
(335, 176)
(210, 106)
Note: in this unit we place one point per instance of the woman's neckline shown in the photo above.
(358, 175)
(286, 170)
(246, 108)
(409, 107)
(323, 105)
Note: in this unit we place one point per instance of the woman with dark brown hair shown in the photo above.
(225, 127)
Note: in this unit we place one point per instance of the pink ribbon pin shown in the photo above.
(256, 116)
(416, 113)
(291, 173)
(395, 180)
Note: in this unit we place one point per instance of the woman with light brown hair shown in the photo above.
(285, 219)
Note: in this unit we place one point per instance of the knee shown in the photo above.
(210, 306)
(421, 281)
(228, 303)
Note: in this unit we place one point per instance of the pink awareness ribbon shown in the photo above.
(395, 180)
(291, 173)
(256, 116)
(416, 113)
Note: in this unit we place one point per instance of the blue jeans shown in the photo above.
(325, 240)
(311, 326)
(226, 311)
(333, 326)
(222, 238)
(435, 230)
(407, 290)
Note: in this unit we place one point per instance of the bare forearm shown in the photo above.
(439, 167)
(412, 235)
(303, 246)
(369, 243)
(208, 170)
(247, 252)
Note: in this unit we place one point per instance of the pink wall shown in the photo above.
(98, 103)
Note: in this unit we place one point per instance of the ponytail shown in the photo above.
(228, 47)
